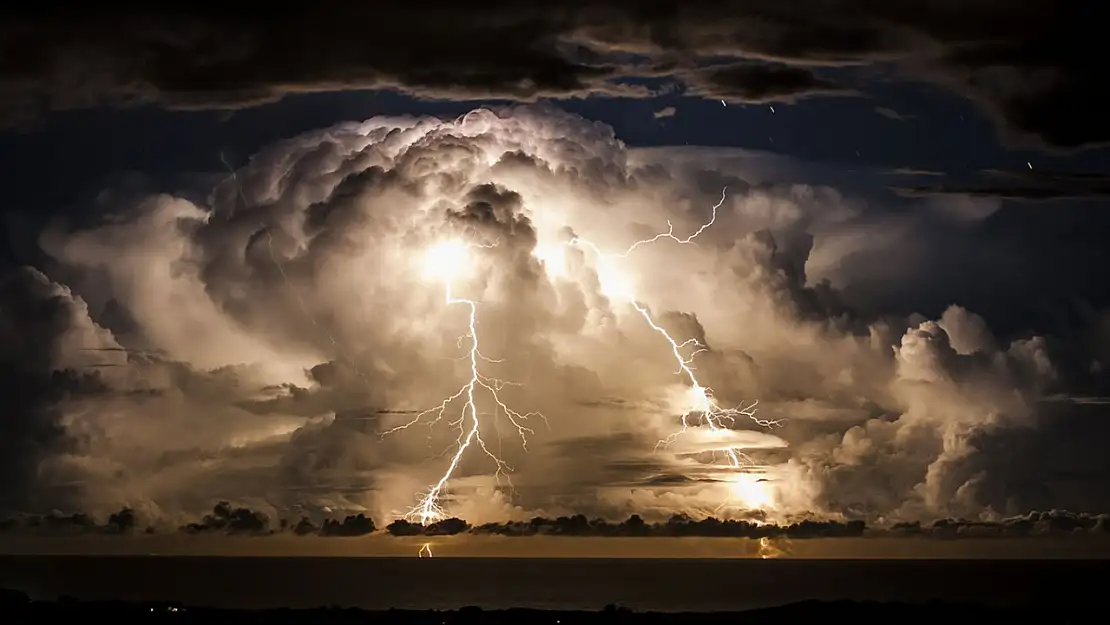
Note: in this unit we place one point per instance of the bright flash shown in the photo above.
(554, 259)
(751, 492)
(702, 405)
(699, 399)
(615, 283)
(446, 262)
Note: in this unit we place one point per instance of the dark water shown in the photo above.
(442, 583)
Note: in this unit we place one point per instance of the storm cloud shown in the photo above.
(257, 348)
(1031, 65)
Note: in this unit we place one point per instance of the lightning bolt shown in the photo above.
(703, 403)
(669, 234)
(429, 509)
(426, 551)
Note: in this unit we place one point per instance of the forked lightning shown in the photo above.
(702, 403)
(444, 262)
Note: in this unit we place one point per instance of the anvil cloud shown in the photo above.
(254, 347)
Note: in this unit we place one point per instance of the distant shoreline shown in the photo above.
(18, 604)
(666, 585)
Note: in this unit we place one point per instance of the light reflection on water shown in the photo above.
(474, 546)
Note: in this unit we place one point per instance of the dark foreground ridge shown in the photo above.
(17, 604)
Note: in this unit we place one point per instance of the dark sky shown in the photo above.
(989, 112)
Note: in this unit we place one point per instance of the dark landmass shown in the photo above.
(226, 519)
(17, 604)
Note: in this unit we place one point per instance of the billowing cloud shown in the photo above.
(44, 328)
(258, 349)
(1023, 62)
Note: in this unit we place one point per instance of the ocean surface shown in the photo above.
(553, 583)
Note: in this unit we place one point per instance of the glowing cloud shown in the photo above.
(445, 262)
(278, 345)
(752, 492)
(554, 259)
(702, 407)
(615, 283)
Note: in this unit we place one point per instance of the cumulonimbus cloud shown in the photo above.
(254, 349)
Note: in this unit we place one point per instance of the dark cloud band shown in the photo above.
(1031, 64)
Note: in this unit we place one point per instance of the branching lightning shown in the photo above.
(444, 262)
(702, 402)
(669, 234)
(461, 409)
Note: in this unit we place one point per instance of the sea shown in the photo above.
(667, 584)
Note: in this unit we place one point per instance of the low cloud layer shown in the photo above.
(1032, 65)
(257, 349)
(1021, 186)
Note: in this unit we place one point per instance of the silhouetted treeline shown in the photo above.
(121, 522)
(678, 525)
(227, 519)
(16, 606)
(352, 525)
(446, 527)
(1049, 523)
(224, 518)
